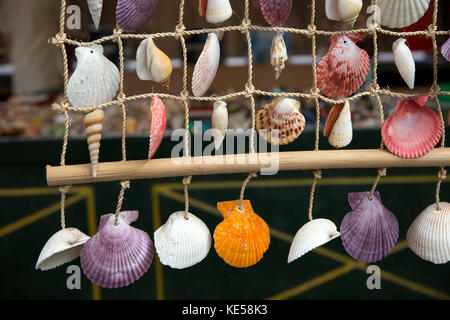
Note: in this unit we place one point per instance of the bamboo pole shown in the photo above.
(240, 163)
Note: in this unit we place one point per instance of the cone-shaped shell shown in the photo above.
(343, 10)
(95, 80)
(280, 122)
(404, 61)
(310, 236)
(93, 123)
(158, 125)
(219, 121)
(278, 54)
(95, 9)
(338, 127)
(64, 246)
(133, 14)
(413, 129)
(242, 237)
(202, 5)
(182, 241)
(429, 234)
(218, 11)
(445, 50)
(370, 231)
(206, 67)
(116, 256)
(344, 68)
(153, 64)
(276, 12)
(401, 13)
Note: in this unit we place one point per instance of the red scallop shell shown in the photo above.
(344, 68)
(276, 12)
(413, 129)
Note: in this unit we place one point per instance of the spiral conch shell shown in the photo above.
(219, 120)
(429, 234)
(64, 246)
(95, 9)
(343, 10)
(242, 237)
(153, 64)
(338, 127)
(404, 61)
(93, 123)
(278, 54)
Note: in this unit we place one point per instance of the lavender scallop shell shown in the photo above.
(133, 14)
(276, 12)
(445, 49)
(370, 231)
(117, 256)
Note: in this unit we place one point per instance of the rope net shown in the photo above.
(60, 39)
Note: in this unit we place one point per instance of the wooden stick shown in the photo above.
(240, 163)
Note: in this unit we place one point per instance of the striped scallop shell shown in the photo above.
(413, 129)
(311, 235)
(158, 125)
(401, 13)
(445, 50)
(344, 68)
(218, 11)
(206, 67)
(276, 12)
(182, 242)
(95, 79)
(116, 256)
(370, 231)
(429, 234)
(242, 237)
(133, 14)
(280, 122)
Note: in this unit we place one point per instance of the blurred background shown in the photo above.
(31, 134)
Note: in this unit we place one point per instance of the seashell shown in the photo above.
(152, 63)
(202, 4)
(344, 68)
(95, 80)
(370, 231)
(206, 67)
(219, 120)
(218, 11)
(93, 124)
(280, 122)
(338, 127)
(62, 247)
(311, 235)
(445, 50)
(413, 129)
(242, 237)
(180, 242)
(116, 256)
(276, 12)
(278, 54)
(420, 42)
(343, 10)
(429, 234)
(95, 9)
(404, 61)
(133, 14)
(401, 13)
(158, 125)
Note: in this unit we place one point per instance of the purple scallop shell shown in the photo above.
(445, 49)
(117, 256)
(133, 14)
(276, 12)
(370, 231)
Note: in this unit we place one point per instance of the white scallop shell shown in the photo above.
(342, 133)
(343, 10)
(218, 11)
(429, 234)
(310, 236)
(401, 13)
(278, 54)
(404, 61)
(206, 67)
(64, 246)
(95, 80)
(181, 243)
(219, 120)
(95, 9)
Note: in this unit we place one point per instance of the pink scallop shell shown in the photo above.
(158, 125)
(117, 256)
(344, 68)
(445, 50)
(413, 129)
(276, 12)
(133, 14)
(370, 231)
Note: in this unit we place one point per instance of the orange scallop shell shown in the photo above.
(242, 237)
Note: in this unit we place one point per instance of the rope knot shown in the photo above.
(64, 189)
(180, 29)
(434, 91)
(125, 184)
(312, 29)
(184, 94)
(442, 174)
(431, 31)
(60, 106)
(374, 87)
(121, 97)
(187, 180)
(249, 89)
(59, 38)
(245, 24)
(318, 174)
(382, 172)
(117, 32)
(315, 92)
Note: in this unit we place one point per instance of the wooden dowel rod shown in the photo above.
(283, 161)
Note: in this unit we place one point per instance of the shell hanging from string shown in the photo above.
(158, 125)
(93, 123)
(95, 9)
(278, 54)
(404, 61)
(131, 15)
(338, 126)
(215, 11)
(219, 121)
(401, 13)
(242, 237)
(445, 49)
(206, 67)
(343, 10)
(276, 12)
